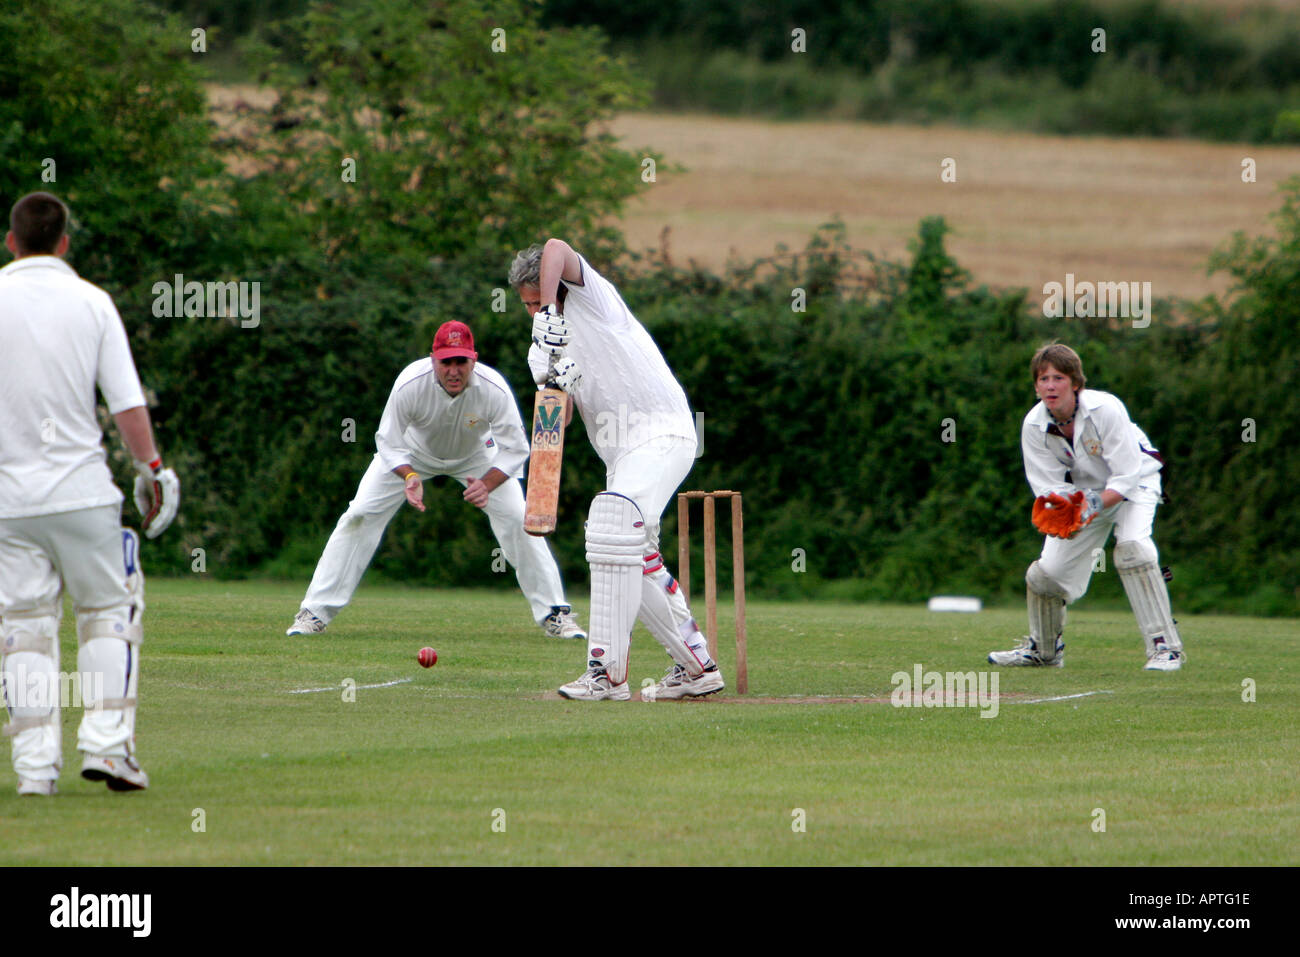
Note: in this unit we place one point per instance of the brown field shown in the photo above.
(1025, 209)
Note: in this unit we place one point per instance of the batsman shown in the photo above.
(1091, 469)
(587, 342)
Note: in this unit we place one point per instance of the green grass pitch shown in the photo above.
(477, 761)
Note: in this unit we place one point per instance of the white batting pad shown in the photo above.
(109, 640)
(615, 539)
(1046, 602)
(1138, 564)
(31, 690)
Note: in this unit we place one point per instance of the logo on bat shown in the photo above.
(548, 418)
(547, 424)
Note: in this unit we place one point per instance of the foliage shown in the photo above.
(1120, 97)
(833, 421)
(1189, 48)
(109, 91)
(470, 129)
(1166, 71)
(1244, 396)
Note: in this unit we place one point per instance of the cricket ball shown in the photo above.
(427, 657)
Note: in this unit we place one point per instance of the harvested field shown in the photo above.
(1025, 209)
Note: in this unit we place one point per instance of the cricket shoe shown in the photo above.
(305, 623)
(595, 686)
(678, 683)
(121, 774)
(562, 623)
(1026, 655)
(31, 786)
(1164, 660)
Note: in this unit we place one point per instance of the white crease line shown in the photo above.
(1064, 697)
(339, 687)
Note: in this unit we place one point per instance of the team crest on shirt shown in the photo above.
(1091, 439)
(470, 421)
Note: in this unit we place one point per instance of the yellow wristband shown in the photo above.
(409, 475)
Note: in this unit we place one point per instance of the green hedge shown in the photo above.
(1193, 49)
(830, 421)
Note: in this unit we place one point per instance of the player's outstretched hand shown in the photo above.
(476, 493)
(157, 496)
(415, 491)
(550, 330)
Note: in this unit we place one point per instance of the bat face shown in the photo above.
(540, 509)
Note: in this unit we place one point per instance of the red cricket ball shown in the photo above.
(427, 657)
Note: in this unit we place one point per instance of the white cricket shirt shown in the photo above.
(627, 395)
(1109, 451)
(433, 432)
(60, 337)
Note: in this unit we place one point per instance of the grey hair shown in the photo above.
(526, 270)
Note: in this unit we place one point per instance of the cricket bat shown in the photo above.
(544, 461)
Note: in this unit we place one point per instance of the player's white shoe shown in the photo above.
(306, 624)
(595, 686)
(678, 683)
(1164, 660)
(121, 774)
(562, 623)
(1027, 655)
(31, 786)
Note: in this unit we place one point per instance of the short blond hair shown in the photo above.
(1061, 358)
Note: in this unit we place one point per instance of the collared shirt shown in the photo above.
(1109, 451)
(431, 431)
(627, 395)
(60, 338)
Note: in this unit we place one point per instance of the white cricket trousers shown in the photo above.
(380, 495)
(39, 557)
(650, 475)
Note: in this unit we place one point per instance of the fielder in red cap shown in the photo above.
(447, 415)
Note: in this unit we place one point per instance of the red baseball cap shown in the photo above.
(453, 339)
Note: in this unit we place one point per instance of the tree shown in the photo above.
(101, 104)
(452, 128)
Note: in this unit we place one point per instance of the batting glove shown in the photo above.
(157, 496)
(566, 375)
(551, 330)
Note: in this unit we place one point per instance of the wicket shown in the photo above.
(711, 570)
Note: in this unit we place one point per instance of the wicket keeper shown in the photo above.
(1089, 463)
